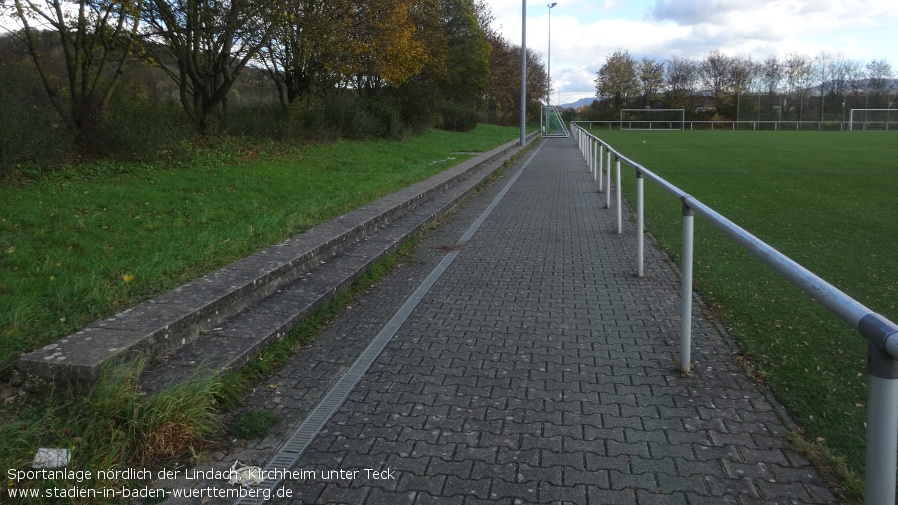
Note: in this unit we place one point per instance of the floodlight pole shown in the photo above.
(549, 59)
(523, 73)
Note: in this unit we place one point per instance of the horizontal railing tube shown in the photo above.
(848, 309)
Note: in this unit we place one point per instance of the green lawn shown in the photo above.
(83, 243)
(827, 200)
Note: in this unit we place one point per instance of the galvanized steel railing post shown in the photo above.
(882, 409)
(592, 156)
(620, 210)
(580, 142)
(595, 150)
(608, 180)
(686, 293)
(882, 439)
(640, 220)
(600, 167)
(588, 153)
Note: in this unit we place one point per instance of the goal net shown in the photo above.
(873, 119)
(652, 119)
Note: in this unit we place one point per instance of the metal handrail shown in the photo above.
(742, 124)
(881, 333)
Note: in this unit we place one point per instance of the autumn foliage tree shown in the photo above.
(503, 95)
(240, 67)
(384, 48)
(308, 50)
(651, 80)
(468, 53)
(617, 81)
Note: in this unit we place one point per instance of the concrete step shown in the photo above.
(244, 336)
(231, 315)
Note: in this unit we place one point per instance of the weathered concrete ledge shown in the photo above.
(171, 321)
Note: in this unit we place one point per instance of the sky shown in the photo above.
(585, 32)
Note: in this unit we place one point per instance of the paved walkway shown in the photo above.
(537, 369)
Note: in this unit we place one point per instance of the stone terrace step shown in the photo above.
(307, 270)
(239, 339)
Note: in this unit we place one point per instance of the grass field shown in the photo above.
(827, 200)
(84, 243)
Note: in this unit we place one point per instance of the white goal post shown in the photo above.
(872, 119)
(652, 119)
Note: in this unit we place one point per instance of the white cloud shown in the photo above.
(585, 32)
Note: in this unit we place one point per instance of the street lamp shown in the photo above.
(549, 58)
(523, 73)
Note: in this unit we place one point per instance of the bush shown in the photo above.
(345, 116)
(383, 119)
(30, 134)
(459, 118)
(419, 101)
(261, 121)
(136, 129)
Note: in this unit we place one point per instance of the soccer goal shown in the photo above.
(652, 119)
(873, 119)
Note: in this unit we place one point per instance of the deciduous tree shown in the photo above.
(772, 75)
(307, 52)
(503, 94)
(468, 53)
(651, 79)
(797, 70)
(384, 47)
(95, 38)
(616, 80)
(204, 44)
(682, 76)
(880, 82)
(715, 72)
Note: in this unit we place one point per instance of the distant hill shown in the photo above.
(583, 102)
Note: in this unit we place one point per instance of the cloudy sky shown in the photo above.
(585, 32)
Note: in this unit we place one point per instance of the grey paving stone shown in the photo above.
(539, 369)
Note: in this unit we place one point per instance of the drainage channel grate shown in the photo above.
(289, 453)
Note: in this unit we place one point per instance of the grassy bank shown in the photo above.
(827, 200)
(82, 243)
(114, 426)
